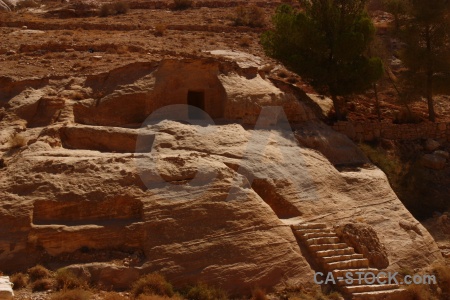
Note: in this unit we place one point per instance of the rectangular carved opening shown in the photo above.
(196, 99)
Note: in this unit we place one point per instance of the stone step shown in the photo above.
(328, 259)
(342, 272)
(397, 294)
(347, 264)
(310, 226)
(322, 247)
(306, 231)
(334, 252)
(322, 240)
(318, 234)
(368, 288)
(344, 282)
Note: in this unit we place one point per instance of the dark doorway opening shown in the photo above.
(196, 99)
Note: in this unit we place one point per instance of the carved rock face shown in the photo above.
(364, 239)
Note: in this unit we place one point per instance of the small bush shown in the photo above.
(443, 277)
(18, 141)
(38, 272)
(114, 296)
(84, 9)
(160, 30)
(157, 297)
(121, 7)
(152, 284)
(245, 41)
(19, 280)
(420, 292)
(27, 4)
(77, 294)
(334, 296)
(258, 294)
(202, 291)
(42, 285)
(67, 280)
(182, 4)
(116, 8)
(251, 16)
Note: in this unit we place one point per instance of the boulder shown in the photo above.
(363, 238)
(6, 291)
(433, 161)
(432, 145)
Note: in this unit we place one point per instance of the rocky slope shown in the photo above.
(88, 182)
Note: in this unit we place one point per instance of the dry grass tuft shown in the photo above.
(245, 41)
(18, 141)
(152, 284)
(77, 294)
(27, 4)
(19, 280)
(182, 4)
(114, 296)
(67, 280)
(160, 30)
(443, 277)
(202, 291)
(258, 294)
(38, 272)
(251, 16)
(420, 292)
(112, 9)
(42, 285)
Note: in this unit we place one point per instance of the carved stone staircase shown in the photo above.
(336, 257)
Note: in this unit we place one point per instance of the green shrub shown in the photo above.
(152, 284)
(42, 285)
(38, 272)
(67, 280)
(182, 4)
(77, 294)
(19, 280)
(251, 16)
(202, 291)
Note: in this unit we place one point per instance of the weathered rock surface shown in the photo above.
(442, 153)
(363, 238)
(3, 6)
(431, 145)
(6, 292)
(209, 203)
(433, 161)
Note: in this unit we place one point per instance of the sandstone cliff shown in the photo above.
(211, 203)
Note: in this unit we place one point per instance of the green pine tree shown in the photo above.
(327, 45)
(427, 38)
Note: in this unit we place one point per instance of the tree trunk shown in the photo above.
(431, 113)
(375, 89)
(337, 107)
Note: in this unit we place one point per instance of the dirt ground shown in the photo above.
(45, 42)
